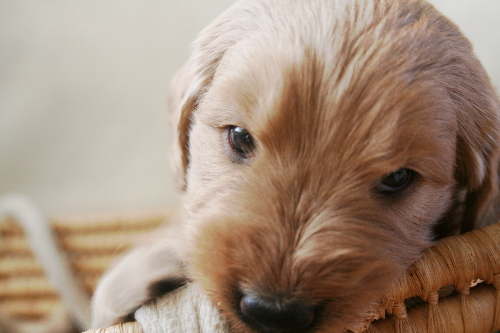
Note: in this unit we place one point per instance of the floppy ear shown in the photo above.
(478, 155)
(194, 79)
(478, 146)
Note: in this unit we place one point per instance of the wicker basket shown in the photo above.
(468, 266)
(92, 243)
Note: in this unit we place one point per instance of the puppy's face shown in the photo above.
(313, 192)
(318, 167)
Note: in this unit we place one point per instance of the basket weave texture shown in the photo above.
(468, 266)
(90, 243)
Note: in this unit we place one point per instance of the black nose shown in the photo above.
(275, 314)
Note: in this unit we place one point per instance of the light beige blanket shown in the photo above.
(186, 310)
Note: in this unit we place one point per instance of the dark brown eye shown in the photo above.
(395, 181)
(241, 141)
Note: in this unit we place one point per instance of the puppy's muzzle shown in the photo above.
(276, 314)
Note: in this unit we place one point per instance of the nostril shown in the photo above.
(276, 313)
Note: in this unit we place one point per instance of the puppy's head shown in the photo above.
(322, 147)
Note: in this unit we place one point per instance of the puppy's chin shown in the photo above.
(235, 257)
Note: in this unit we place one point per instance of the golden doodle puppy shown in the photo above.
(321, 145)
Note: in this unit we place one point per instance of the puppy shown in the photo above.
(321, 145)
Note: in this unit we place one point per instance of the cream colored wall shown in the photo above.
(82, 87)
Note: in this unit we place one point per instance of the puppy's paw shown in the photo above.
(146, 272)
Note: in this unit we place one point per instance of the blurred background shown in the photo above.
(83, 127)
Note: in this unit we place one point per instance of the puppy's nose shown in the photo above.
(275, 314)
